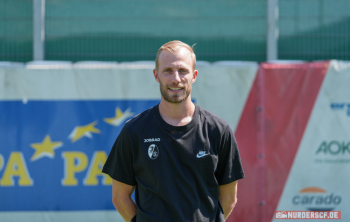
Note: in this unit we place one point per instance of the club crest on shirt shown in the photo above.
(153, 151)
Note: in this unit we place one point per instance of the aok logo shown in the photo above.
(341, 106)
(316, 199)
(334, 148)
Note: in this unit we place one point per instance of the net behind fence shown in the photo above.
(123, 30)
(314, 29)
(134, 30)
(16, 30)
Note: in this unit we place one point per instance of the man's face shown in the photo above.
(175, 75)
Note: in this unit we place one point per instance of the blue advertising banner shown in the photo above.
(52, 152)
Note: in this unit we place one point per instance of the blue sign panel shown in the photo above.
(52, 152)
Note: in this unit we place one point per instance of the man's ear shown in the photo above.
(195, 73)
(155, 73)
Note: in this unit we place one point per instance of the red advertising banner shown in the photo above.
(269, 133)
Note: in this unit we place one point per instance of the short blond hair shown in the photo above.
(172, 47)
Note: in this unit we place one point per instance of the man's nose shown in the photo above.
(176, 77)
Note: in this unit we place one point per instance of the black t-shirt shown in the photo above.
(177, 170)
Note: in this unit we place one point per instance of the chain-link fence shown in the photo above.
(16, 30)
(314, 29)
(134, 30)
(124, 30)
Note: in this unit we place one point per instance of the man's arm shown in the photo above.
(228, 197)
(122, 200)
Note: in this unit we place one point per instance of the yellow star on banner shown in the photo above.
(119, 118)
(80, 131)
(45, 148)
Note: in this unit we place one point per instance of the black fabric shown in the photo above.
(133, 219)
(177, 170)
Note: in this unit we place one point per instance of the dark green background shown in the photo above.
(130, 30)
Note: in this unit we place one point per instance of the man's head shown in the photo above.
(173, 47)
(175, 71)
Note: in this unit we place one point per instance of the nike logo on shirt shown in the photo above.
(201, 154)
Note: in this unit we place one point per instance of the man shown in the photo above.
(182, 159)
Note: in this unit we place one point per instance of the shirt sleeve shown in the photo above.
(119, 164)
(229, 168)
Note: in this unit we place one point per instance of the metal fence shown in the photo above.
(314, 29)
(130, 30)
(16, 30)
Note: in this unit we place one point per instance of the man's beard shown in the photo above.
(176, 97)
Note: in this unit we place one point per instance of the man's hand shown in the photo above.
(228, 197)
(122, 200)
